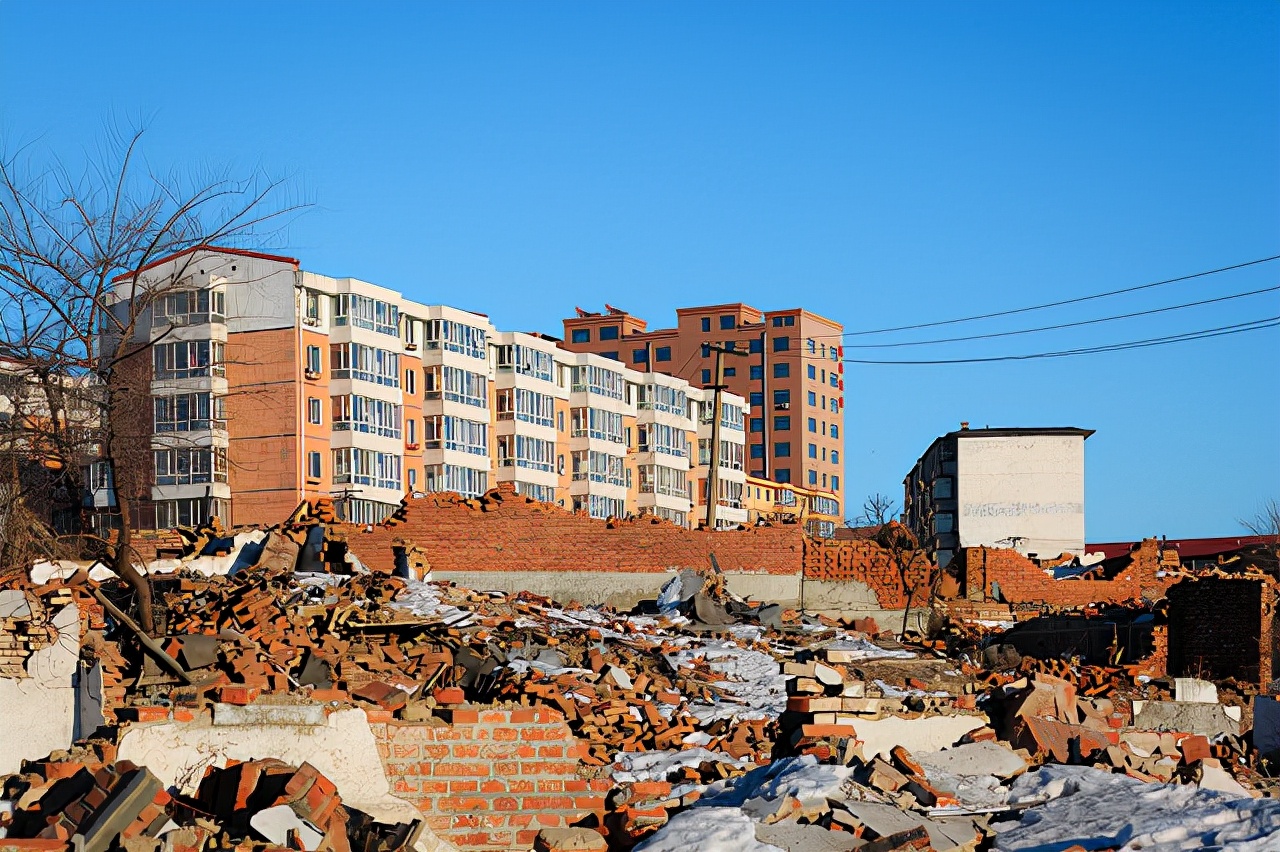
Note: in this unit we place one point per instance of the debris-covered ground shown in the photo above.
(705, 722)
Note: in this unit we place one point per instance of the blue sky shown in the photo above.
(880, 163)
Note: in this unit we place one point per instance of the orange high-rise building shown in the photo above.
(791, 374)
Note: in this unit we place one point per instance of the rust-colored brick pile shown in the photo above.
(503, 531)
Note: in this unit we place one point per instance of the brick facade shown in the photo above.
(865, 561)
(503, 531)
(492, 778)
(1019, 580)
(1221, 628)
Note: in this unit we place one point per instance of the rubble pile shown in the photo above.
(702, 721)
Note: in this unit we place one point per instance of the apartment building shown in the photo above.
(1016, 488)
(267, 385)
(785, 363)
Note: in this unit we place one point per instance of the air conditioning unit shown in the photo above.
(782, 406)
(310, 320)
(411, 347)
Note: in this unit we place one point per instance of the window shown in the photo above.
(189, 412)
(835, 383)
(313, 410)
(466, 436)
(659, 479)
(782, 397)
(411, 432)
(813, 346)
(813, 398)
(599, 380)
(756, 398)
(813, 424)
(781, 370)
(188, 307)
(466, 481)
(364, 414)
(313, 359)
(597, 423)
(706, 350)
(783, 474)
(706, 377)
(730, 346)
(661, 438)
(835, 457)
(730, 371)
(835, 431)
(640, 356)
(364, 312)
(777, 322)
(663, 398)
(944, 522)
(757, 452)
(189, 359)
(366, 363)
(527, 361)
(757, 424)
(313, 307)
(942, 489)
(813, 477)
(813, 372)
(611, 355)
(313, 464)
(529, 453)
(410, 381)
(757, 372)
(781, 344)
(782, 423)
(191, 466)
(580, 335)
(458, 337)
(782, 449)
(608, 332)
(560, 421)
(755, 346)
(835, 354)
(728, 321)
(662, 353)
(413, 479)
(706, 323)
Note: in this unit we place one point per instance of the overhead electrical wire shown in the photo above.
(1057, 304)
(1219, 331)
(1076, 324)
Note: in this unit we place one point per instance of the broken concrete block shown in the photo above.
(268, 714)
(277, 823)
(794, 837)
(569, 840)
(1192, 689)
(14, 604)
(980, 758)
(1209, 720)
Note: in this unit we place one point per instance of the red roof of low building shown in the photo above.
(1188, 548)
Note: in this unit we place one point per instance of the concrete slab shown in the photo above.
(274, 824)
(885, 820)
(1188, 717)
(269, 714)
(1194, 690)
(14, 604)
(39, 710)
(343, 749)
(980, 758)
(928, 733)
(794, 837)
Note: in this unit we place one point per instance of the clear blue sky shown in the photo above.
(880, 163)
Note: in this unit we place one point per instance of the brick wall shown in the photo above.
(865, 561)
(1022, 581)
(493, 778)
(503, 531)
(1221, 628)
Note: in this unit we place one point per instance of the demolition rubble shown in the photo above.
(294, 698)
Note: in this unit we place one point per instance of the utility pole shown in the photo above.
(713, 466)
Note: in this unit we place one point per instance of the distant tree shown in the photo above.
(73, 247)
(877, 510)
(1266, 522)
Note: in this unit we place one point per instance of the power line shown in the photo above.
(1064, 325)
(1074, 301)
(1220, 331)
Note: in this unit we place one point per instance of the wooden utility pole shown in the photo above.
(713, 468)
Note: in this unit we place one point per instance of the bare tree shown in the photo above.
(1266, 522)
(73, 249)
(877, 510)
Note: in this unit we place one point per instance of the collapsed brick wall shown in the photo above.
(1221, 628)
(1019, 580)
(865, 561)
(503, 531)
(493, 778)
